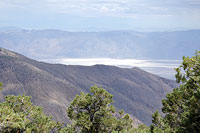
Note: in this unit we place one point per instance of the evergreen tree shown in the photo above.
(181, 108)
(93, 113)
(1, 86)
(17, 115)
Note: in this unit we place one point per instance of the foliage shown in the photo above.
(1, 86)
(140, 129)
(17, 114)
(91, 113)
(182, 106)
(94, 113)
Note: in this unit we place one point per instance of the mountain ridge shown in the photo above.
(47, 44)
(53, 86)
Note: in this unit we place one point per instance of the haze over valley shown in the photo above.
(163, 68)
(155, 52)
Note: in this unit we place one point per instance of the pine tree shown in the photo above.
(18, 114)
(181, 108)
(93, 113)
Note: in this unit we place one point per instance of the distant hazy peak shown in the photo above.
(48, 44)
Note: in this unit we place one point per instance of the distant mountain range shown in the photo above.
(51, 44)
(53, 86)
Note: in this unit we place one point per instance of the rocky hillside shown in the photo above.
(53, 86)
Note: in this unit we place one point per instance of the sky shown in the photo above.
(101, 15)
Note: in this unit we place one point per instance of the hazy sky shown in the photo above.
(98, 15)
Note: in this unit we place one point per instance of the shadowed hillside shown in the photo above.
(53, 86)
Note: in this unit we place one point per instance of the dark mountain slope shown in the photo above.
(53, 86)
